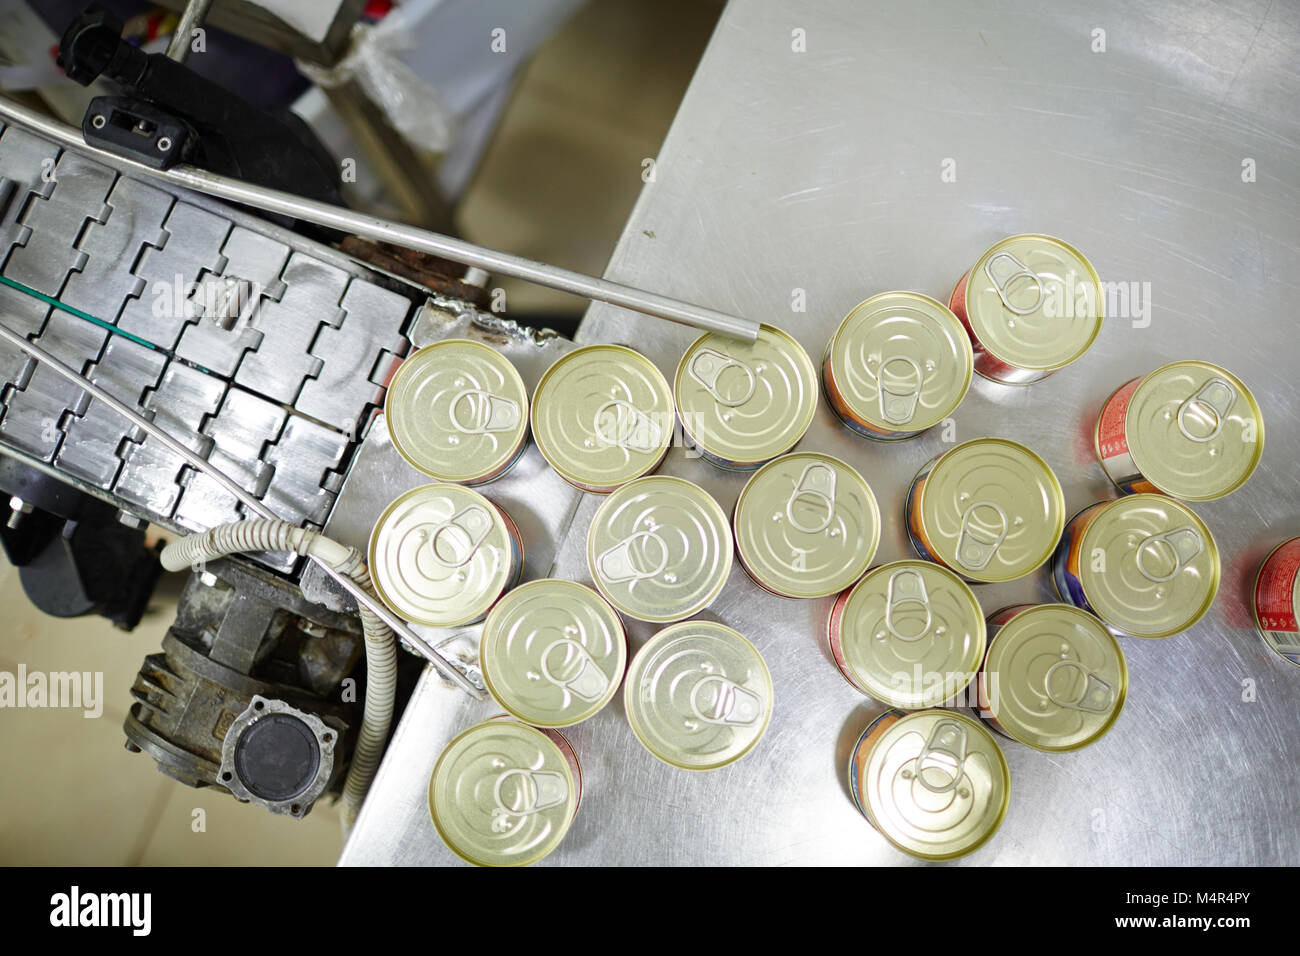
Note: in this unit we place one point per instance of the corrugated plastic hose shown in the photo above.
(381, 649)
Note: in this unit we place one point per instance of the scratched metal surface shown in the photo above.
(821, 171)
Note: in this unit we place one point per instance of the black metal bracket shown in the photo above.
(167, 113)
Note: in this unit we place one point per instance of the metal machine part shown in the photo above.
(75, 554)
(111, 275)
(330, 216)
(208, 359)
(278, 757)
(169, 114)
(242, 635)
(316, 31)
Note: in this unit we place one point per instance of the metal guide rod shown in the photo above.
(399, 626)
(383, 230)
(196, 11)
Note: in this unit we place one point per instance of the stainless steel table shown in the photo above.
(822, 171)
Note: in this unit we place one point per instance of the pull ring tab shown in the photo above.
(1096, 696)
(537, 789)
(589, 681)
(1212, 401)
(620, 563)
(483, 412)
(977, 543)
(474, 523)
(949, 739)
(622, 424)
(717, 700)
(906, 588)
(1184, 543)
(707, 366)
(899, 407)
(1003, 269)
(816, 482)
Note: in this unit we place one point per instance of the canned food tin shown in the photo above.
(744, 403)
(659, 549)
(457, 410)
(1276, 600)
(989, 509)
(602, 415)
(504, 794)
(899, 363)
(442, 554)
(806, 526)
(698, 695)
(1191, 430)
(553, 652)
(1031, 305)
(1054, 678)
(1146, 565)
(910, 634)
(934, 783)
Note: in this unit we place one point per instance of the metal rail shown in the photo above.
(399, 626)
(196, 11)
(384, 230)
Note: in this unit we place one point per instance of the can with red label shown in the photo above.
(1276, 600)
(1031, 305)
(1190, 430)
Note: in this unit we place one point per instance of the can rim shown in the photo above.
(662, 637)
(1101, 304)
(499, 519)
(1096, 624)
(496, 612)
(550, 845)
(1254, 608)
(1211, 594)
(804, 422)
(504, 458)
(961, 335)
(1005, 802)
(587, 483)
(877, 693)
(1059, 497)
(775, 587)
(1256, 412)
(727, 548)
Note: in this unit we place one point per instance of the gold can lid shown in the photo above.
(502, 794)
(935, 784)
(1055, 677)
(1194, 430)
(1148, 565)
(992, 509)
(698, 695)
(1034, 302)
(659, 549)
(912, 634)
(457, 410)
(746, 402)
(440, 555)
(901, 361)
(602, 415)
(807, 525)
(553, 652)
